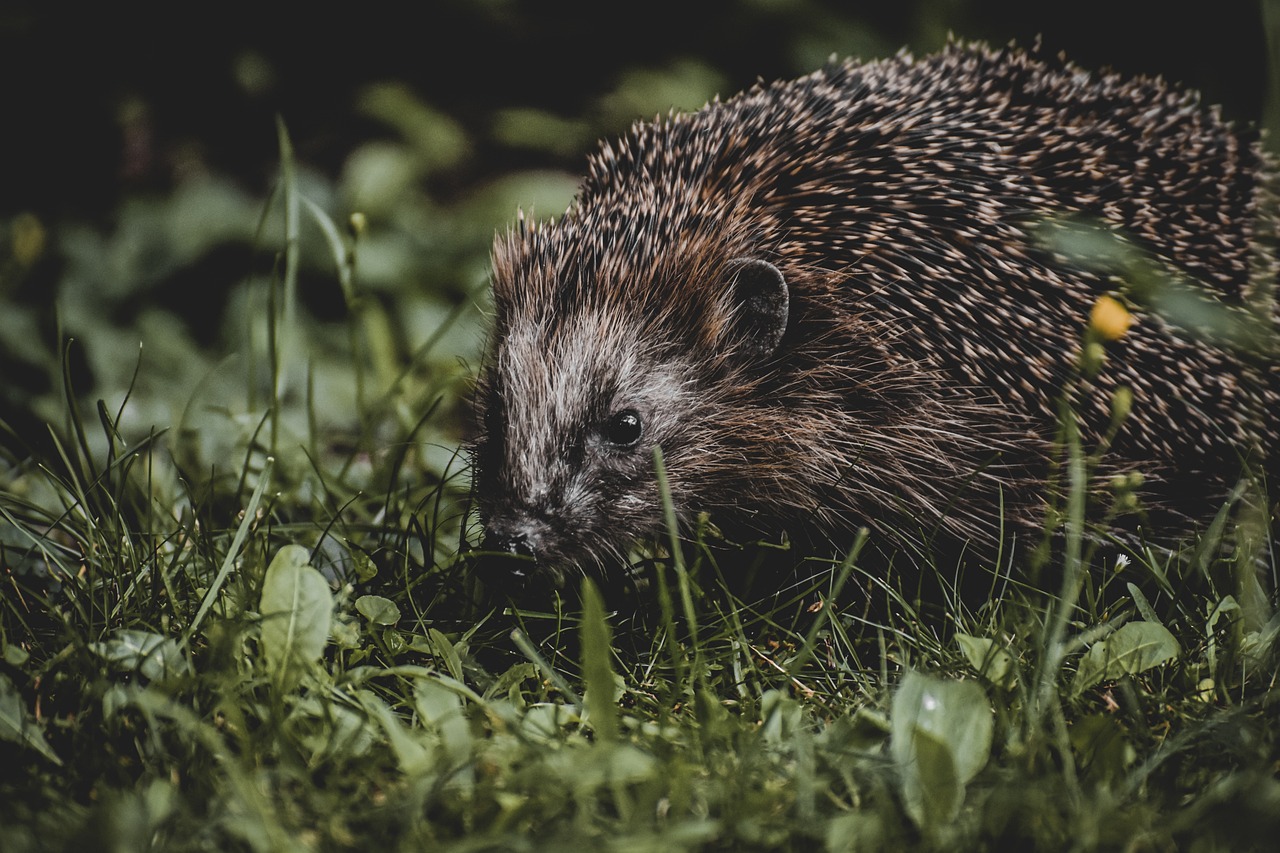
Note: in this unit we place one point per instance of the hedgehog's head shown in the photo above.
(596, 360)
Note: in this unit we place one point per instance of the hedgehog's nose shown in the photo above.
(515, 544)
(514, 539)
(508, 561)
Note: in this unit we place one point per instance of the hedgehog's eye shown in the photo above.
(623, 429)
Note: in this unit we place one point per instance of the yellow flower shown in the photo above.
(1109, 319)
(28, 238)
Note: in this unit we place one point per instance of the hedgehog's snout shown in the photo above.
(516, 536)
(517, 545)
(514, 545)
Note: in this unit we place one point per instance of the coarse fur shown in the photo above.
(910, 378)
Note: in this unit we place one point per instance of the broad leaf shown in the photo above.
(153, 655)
(988, 659)
(940, 736)
(378, 610)
(1136, 647)
(16, 726)
(443, 710)
(296, 609)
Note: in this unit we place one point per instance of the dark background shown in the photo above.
(69, 72)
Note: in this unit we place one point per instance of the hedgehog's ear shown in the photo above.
(759, 293)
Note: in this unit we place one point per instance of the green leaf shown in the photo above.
(545, 722)
(411, 754)
(296, 610)
(1223, 607)
(780, 717)
(711, 713)
(988, 659)
(940, 736)
(1136, 647)
(442, 709)
(614, 764)
(15, 656)
(862, 731)
(862, 829)
(597, 649)
(437, 139)
(366, 568)
(16, 726)
(153, 655)
(1103, 752)
(1140, 601)
(443, 648)
(932, 788)
(378, 610)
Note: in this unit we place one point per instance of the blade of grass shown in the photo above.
(527, 648)
(846, 569)
(596, 669)
(237, 542)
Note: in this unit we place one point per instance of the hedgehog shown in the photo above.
(830, 303)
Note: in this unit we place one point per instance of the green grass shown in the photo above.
(271, 642)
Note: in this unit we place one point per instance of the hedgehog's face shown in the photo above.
(572, 410)
(570, 423)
